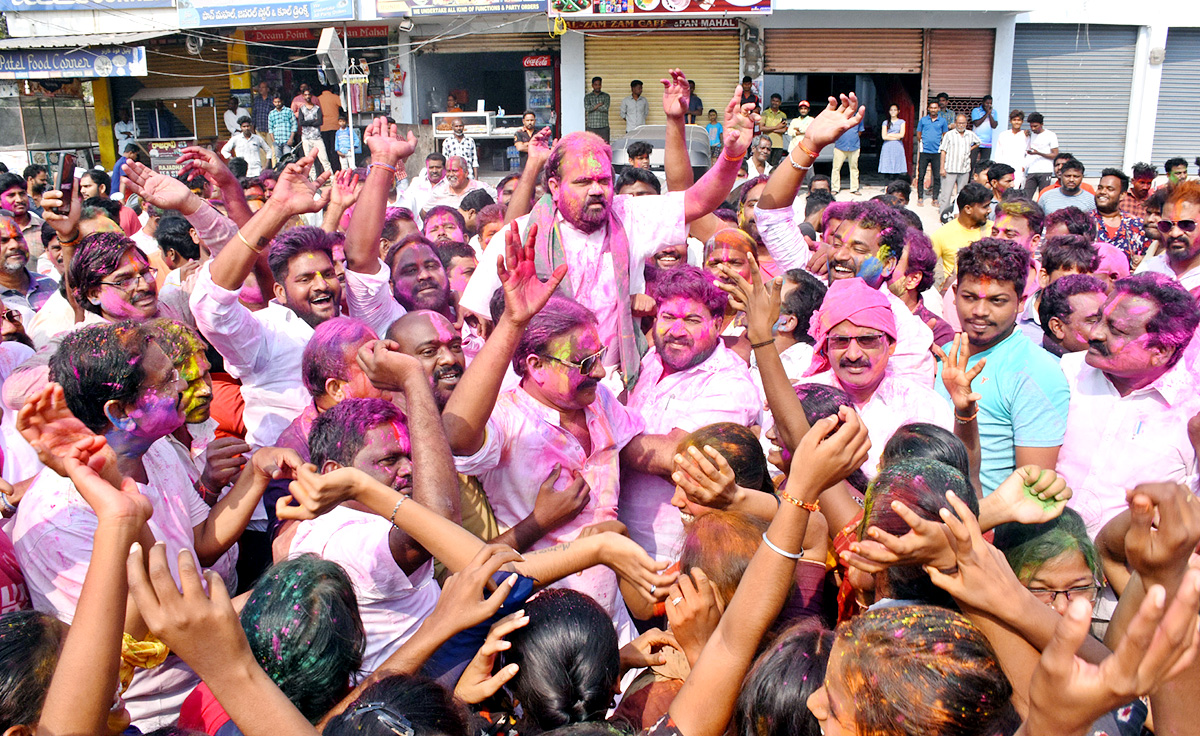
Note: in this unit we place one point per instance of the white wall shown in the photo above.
(71, 22)
(572, 82)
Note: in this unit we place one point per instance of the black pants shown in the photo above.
(1035, 183)
(934, 161)
(602, 132)
(330, 138)
(776, 157)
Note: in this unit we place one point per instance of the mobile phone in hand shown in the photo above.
(65, 182)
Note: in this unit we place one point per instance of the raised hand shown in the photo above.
(982, 579)
(210, 165)
(464, 601)
(707, 481)
(315, 493)
(344, 191)
(160, 190)
(1030, 495)
(832, 449)
(223, 462)
(1067, 694)
(385, 143)
(295, 193)
(65, 225)
(540, 145)
(524, 293)
(739, 125)
(926, 544)
(47, 424)
(693, 610)
(676, 94)
(837, 117)
(553, 508)
(124, 504)
(477, 683)
(760, 301)
(385, 366)
(1164, 529)
(956, 376)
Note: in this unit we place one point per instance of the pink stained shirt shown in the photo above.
(651, 224)
(718, 390)
(523, 442)
(897, 401)
(1115, 442)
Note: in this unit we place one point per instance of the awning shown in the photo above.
(80, 41)
(166, 93)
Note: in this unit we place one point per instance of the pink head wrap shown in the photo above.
(1112, 260)
(853, 300)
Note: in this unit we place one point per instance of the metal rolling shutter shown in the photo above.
(710, 59)
(1079, 77)
(844, 50)
(1176, 132)
(486, 42)
(960, 61)
(170, 65)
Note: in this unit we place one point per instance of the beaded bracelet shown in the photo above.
(813, 507)
(382, 165)
(811, 153)
(396, 508)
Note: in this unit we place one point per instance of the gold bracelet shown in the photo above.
(257, 251)
(813, 507)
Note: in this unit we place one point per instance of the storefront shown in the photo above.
(706, 49)
(1079, 77)
(1176, 132)
(494, 77)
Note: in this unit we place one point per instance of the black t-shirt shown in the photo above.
(523, 136)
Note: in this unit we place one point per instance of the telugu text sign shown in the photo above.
(105, 61)
(206, 13)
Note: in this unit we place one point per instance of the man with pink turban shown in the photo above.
(855, 336)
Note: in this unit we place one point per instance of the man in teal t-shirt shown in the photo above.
(1024, 396)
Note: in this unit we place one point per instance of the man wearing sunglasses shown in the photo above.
(1180, 257)
(689, 380)
(559, 416)
(855, 337)
(1133, 393)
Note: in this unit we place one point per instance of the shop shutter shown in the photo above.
(1079, 77)
(960, 61)
(170, 65)
(487, 43)
(1176, 131)
(844, 50)
(709, 59)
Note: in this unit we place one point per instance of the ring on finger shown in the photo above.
(676, 601)
(653, 588)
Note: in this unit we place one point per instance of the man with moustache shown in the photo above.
(445, 224)
(605, 239)
(1068, 308)
(457, 183)
(1133, 202)
(1022, 412)
(855, 336)
(688, 380)
(1112, 225)
(416, 196)
(1180, 258)
(559, 416)
(14, 197)
(1132, 395)
(20, 288)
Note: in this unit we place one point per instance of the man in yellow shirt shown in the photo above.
(970, 225)
(774, 122)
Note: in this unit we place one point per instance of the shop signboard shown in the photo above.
(426, 8)
(208, 13)
(630, 9)
(163, 154)
(28, 5)
(653, 23)
(287, 35)
(100, 61)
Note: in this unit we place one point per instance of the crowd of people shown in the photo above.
(329, 454)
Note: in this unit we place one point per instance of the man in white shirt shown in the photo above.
(1010, 146)
(1039, 156)
(419, 190)
(249, 146)
(1132, 394)
(634, 108)
(689, 379)
(234, 112)
(1180, 258)
(855, 334)
(264, 348)
(125, 130)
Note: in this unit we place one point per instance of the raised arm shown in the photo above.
(827, 454)
(388, 152)
(676, 96)
(957, 378)
(834, 120)
(208, 163)
(538, 153)
(707, 194)
(228, 519)
(467, 412)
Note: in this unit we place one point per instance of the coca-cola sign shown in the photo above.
(536, 62)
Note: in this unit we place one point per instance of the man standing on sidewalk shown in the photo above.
(955, 149)
(930, 130)
(595, 110)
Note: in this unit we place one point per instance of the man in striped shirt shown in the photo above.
(955, 150)
(461, 145)
(282, 124)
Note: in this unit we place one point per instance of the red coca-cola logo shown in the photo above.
(534, 62)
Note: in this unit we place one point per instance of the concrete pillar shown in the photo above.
(239, 59)
(403, 108)
(1143, 96)
(1002, 63)
(103, 112)
(573, 83)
